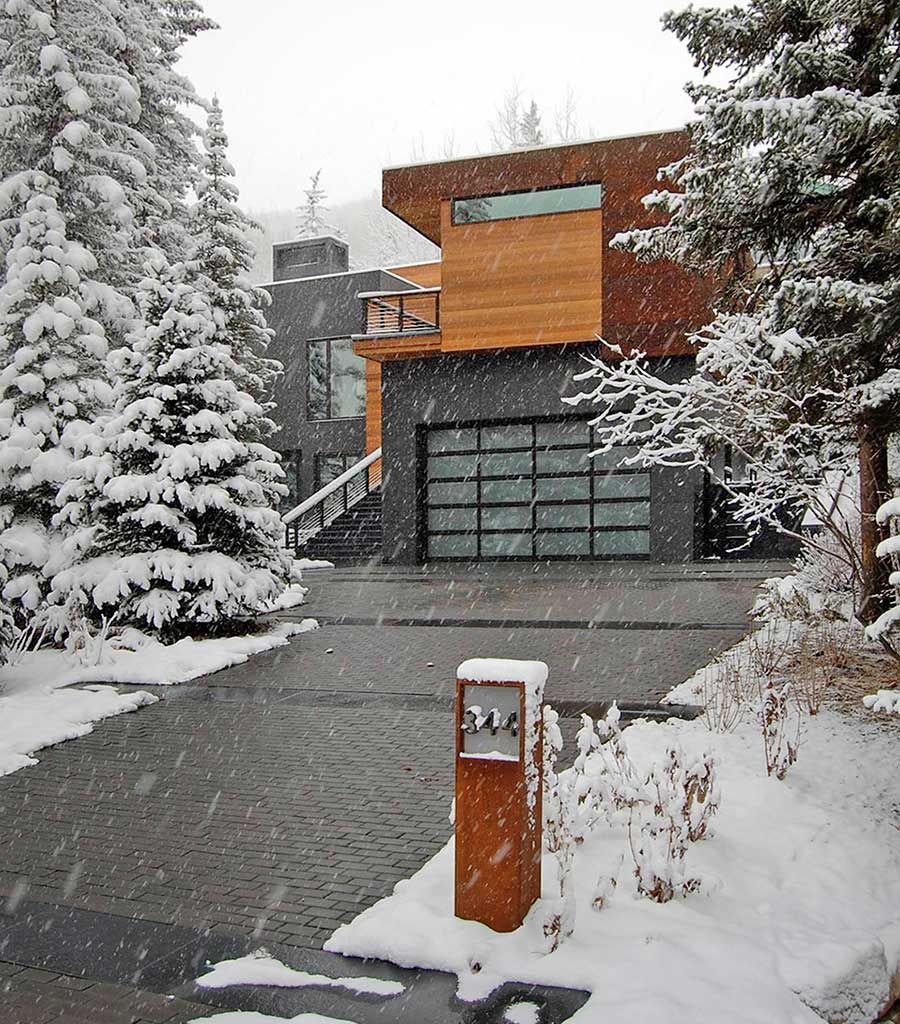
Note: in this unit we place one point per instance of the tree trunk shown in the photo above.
(874, 490)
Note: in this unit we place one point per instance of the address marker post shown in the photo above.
(498, 790)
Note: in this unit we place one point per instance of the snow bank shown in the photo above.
(31, 721)
(260, 968)
(796, 920)
(884, 700)
(252, 1017)
(145, 661)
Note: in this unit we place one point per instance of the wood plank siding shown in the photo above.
(425, 275)
(523, 281)
(373, 405)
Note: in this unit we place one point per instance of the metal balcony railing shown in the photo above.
(321, 509)
(412, 312)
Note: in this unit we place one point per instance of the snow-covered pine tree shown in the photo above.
(184, 538)
(224, 255)
(530, 127)
(311, 217)
(53, 384)
(791, 195)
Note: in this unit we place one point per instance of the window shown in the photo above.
(527, 204)
(290, 463)
(337, 380)
(330, 465)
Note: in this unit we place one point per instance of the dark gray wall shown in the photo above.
(317, 307)
(517, 384)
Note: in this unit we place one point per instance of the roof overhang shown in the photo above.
(414, 192)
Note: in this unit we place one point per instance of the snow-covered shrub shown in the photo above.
(7, 628)
(887, 623)
(778, 723)
(677, 803)
(560, 833)
(722, 690)
(884, 700)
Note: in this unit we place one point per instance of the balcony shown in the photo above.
(400, 324)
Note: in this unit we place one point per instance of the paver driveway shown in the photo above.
(279, 798)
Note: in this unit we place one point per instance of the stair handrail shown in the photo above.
(333, 485)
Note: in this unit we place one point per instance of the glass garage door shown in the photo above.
(529, 490)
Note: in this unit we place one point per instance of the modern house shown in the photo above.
(449, 375)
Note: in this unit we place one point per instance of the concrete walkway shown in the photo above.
(271, 802)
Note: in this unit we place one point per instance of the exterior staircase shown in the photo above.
(352, 538)
(341, 522)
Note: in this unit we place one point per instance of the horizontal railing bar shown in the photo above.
(330, 487)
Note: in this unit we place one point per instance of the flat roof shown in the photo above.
(414, 192)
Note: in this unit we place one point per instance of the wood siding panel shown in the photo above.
(425, 275)
(373, 405)
(524, 281)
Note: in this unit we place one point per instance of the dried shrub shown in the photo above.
(778, 723)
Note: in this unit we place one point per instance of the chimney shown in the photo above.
(309, 257)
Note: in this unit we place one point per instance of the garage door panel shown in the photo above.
(527, 489)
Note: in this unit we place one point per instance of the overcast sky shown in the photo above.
(352, 86)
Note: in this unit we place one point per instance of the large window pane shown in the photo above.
(318, 380)
(452, 519)
(622, 513)
(505, 545)
(515, 435)
(562, 461)
(622, 542)
(567, 432)
(510, 517)
(614, 459)
(506, 490)
(460, 545)
(563, 544)
(452, 440)
(563, 515)
(564, 488)
(526, 204)
(506, 464)
(348, 380)
(456, 493)
(440, 466)
(625, 485)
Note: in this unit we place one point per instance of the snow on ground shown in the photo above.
(44, 716)
(294, 595)
(796, 920)
(261, 968)
(38, 707)
(312, 563)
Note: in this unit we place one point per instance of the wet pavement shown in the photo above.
(271, 802)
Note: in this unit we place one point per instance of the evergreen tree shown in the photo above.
(185, 538)
(530, 128)
(311, 222)
(52, 386)
(790, 195)
(224, 255)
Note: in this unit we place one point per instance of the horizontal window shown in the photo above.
(565, 432)
(442, 466)
(456, 493)
(563, 461)
(563, 488)
(506, 464)
(460, 545)
(505, 545)
(549, 516)
(625, 485)
(563, 544)
(613, 459)
(452, 519)
(515, 435)
(506, 490)
(512, 517)
(452, 440)
(622, 513)
(622, 542)
(527, 204)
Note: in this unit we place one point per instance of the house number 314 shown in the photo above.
(474, 720)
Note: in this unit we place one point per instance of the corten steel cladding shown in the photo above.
(498, 837)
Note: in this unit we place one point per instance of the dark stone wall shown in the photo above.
(514, 385)
(317, 307)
